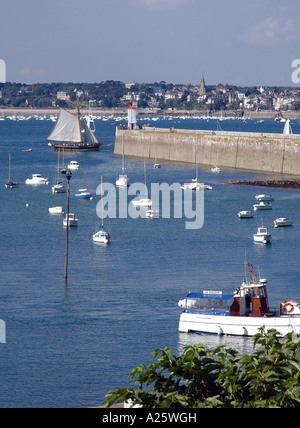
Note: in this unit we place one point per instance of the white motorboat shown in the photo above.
(240, 314)
(142, 202)
(264, 197)
(73, 221)
(37, 180)
(262, 206)
(262, 235)
(73, 165)
(282, 221)
(245, 214)
(152, 213)
(56, 210)
(122, 181)
(156, 165)
(215, 169)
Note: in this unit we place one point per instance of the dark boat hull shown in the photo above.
(76, 147)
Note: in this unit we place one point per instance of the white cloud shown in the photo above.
(271, 31)
(160, 4)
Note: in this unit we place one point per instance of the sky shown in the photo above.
(239, 42)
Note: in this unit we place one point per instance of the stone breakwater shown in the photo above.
(276, 153)
(285, 184)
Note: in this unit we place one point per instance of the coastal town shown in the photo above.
(153, 97)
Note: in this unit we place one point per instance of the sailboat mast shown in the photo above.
(79, 122)
(102, 199)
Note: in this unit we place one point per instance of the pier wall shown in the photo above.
(275, 153)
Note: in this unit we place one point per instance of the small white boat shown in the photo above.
(142, 202)
(73, 165)
(73, 221)
(264, 197)
(122, 181)
(282, 221)
(58, 188)
(101, 236)
(37, 180)
(245, 214)
(56, 210)
(152, 213)
(262, 236)
(157, 165)
(262, 206)
(215, 169)
(241, 313)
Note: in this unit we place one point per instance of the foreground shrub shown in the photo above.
(200, 377)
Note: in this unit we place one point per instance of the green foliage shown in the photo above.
(200, 377)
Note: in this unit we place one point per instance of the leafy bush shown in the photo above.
(200, 377)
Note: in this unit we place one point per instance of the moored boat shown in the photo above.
(262, 235)
(240, 314)
(56, 210)
(72, 220)
(264, 197)
(245, 214)
(262, 206)
(37, 180)
(282, 222)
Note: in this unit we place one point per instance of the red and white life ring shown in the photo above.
(288, 306)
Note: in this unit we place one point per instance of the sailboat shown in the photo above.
(101, 236)
(84, 193)
(67, 133)
(58, 187)
(143, 202)
(194, 184)
(10, 184)
(122, 181)
(90, 120)
(287, 130)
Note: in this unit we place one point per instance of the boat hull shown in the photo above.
(236, 325)
(76, 147)
(262, 239)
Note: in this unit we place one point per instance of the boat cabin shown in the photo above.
(251, 300)
(208, 302)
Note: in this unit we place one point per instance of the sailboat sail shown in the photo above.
(287, 128)
(67, 128)
(89, 137)
(67, 132)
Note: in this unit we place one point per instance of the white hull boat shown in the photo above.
(262, 206)
(245, 214)
(83, 194)
(122, 181)
(37, 180)
(282, 222)
(262, 236)
(56, 210)
(58, 188)
(239, 314)
(215, 169)
(73, 165)
(143, 202)
(101, 236)
(73, 221)
(264, 197)
(152, 213)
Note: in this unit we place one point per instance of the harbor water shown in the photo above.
(68, 344)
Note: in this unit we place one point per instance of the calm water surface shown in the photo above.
(69, 344)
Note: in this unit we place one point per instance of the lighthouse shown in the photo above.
(131, 117)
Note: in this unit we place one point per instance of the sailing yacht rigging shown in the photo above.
(122, 181)
(10, 184)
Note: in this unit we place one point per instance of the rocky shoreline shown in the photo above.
(285, 184)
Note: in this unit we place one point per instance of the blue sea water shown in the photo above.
(68, 344)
